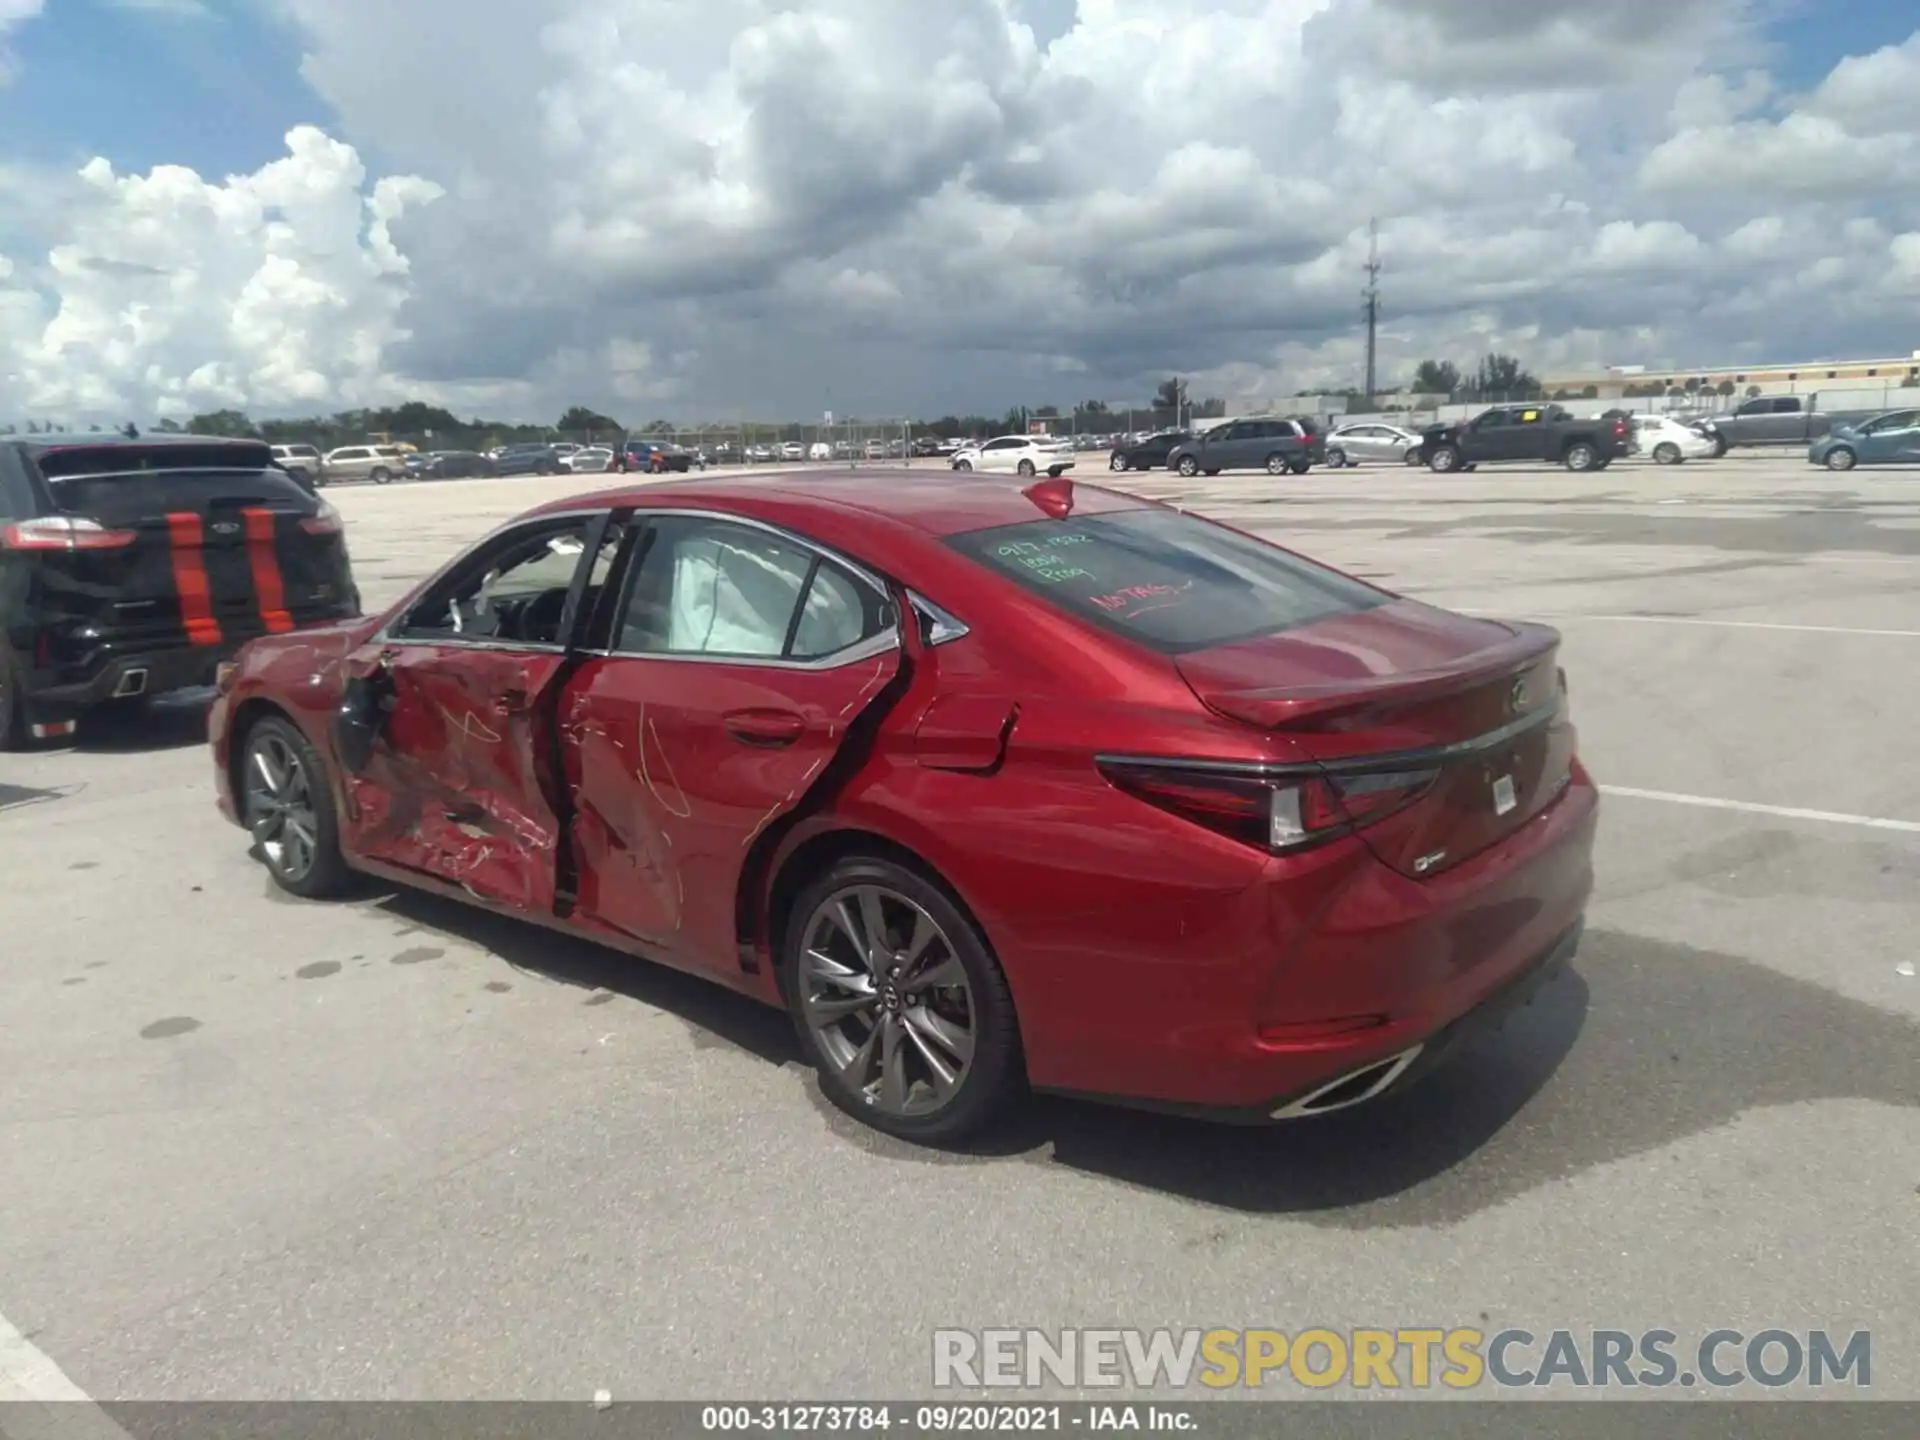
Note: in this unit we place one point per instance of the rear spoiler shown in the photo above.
(1316, 707)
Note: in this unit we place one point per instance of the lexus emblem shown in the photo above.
(225, 527)
(1517, 696)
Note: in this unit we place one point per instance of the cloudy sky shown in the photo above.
(705, 209)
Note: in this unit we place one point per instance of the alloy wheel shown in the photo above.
(1840, 458)
(887, 1000)
(280, 809)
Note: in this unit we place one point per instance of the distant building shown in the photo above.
(1616, 381)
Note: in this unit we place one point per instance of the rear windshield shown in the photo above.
(156, 493)
(1166, 580)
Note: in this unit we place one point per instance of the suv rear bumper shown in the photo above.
(119, 674)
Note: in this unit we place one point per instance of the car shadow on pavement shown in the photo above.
(171, 723)
(1640, 1045)
(713, 1014)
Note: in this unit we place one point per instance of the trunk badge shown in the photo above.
(225, 527)
(1505, 797)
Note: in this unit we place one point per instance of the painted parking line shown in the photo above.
(37, 1399)
(1746, 625)
(1749, 807)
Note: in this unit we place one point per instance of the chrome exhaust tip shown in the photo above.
(134, 682)
(1356, 1087)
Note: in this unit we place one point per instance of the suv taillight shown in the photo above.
(64, 532)
(326, 521)
(1277, 813)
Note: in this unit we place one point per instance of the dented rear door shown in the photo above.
(742, 665)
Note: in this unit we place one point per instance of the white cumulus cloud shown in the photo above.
(874, 207)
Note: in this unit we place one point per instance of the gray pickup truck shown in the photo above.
(1771, 420)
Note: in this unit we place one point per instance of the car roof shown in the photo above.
(115, 439)
(948, 504)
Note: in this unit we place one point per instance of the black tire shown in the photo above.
(1444, 460)
(1188, 466)
(1337, 459)
(1277, 464)
(1579, 456)
(1116, 462)
(13, 710)
(1667, 453)
(326, 874)
(995, 1077)
(1025, 467)
(963, 465)
(1300, 467)
(1214, 471)
(1054, 472)
(379, 475)
(1412, 458)
(1720, 446)
(1841, 458)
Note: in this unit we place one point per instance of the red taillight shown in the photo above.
(326, 522)
(1278, 813)
(63, 532)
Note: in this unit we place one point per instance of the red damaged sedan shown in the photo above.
(989, 786)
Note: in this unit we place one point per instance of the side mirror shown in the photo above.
(361, 717)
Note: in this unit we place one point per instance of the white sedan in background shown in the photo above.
(1019, 455)
(1373, 440)
(1670, 441)
(594, 460)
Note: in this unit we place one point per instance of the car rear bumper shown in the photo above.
(116, 673)
(1379, 986)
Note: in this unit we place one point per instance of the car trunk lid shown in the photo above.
(1439, 735)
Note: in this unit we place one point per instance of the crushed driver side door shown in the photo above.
(447, 735)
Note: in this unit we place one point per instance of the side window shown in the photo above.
(514, 592)
(1492, 420)
(840, 611)
(1787, 405)
(706, 587)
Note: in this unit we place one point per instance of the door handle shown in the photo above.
(769, 728)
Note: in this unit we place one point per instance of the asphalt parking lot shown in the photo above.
(397, 1149)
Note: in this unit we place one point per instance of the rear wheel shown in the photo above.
(1666, 453)
(1054, 472)
(1579, 456)
(1841, 458)
(1188, 466)
(287, 806)
(1443, 459)
(898, 1003)
(379, 475)
(1277, 464)
(13, 720)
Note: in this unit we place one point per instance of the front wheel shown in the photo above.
(1337, 459)
(1841, 458)
(963, 465)
(1117, 462)
(1412, 458)
(1666, 453)
(1719, 446)
(1579, 456)
(1025, 467)
(287, 806)
(1188, 466)
(1443, 460)
(906, 1016)
(379, 475)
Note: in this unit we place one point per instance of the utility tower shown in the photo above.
(1372, 296)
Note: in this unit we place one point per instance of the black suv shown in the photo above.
(131, 567)
(528, 460)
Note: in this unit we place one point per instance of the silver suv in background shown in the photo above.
(378, 463)
(303, 462)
